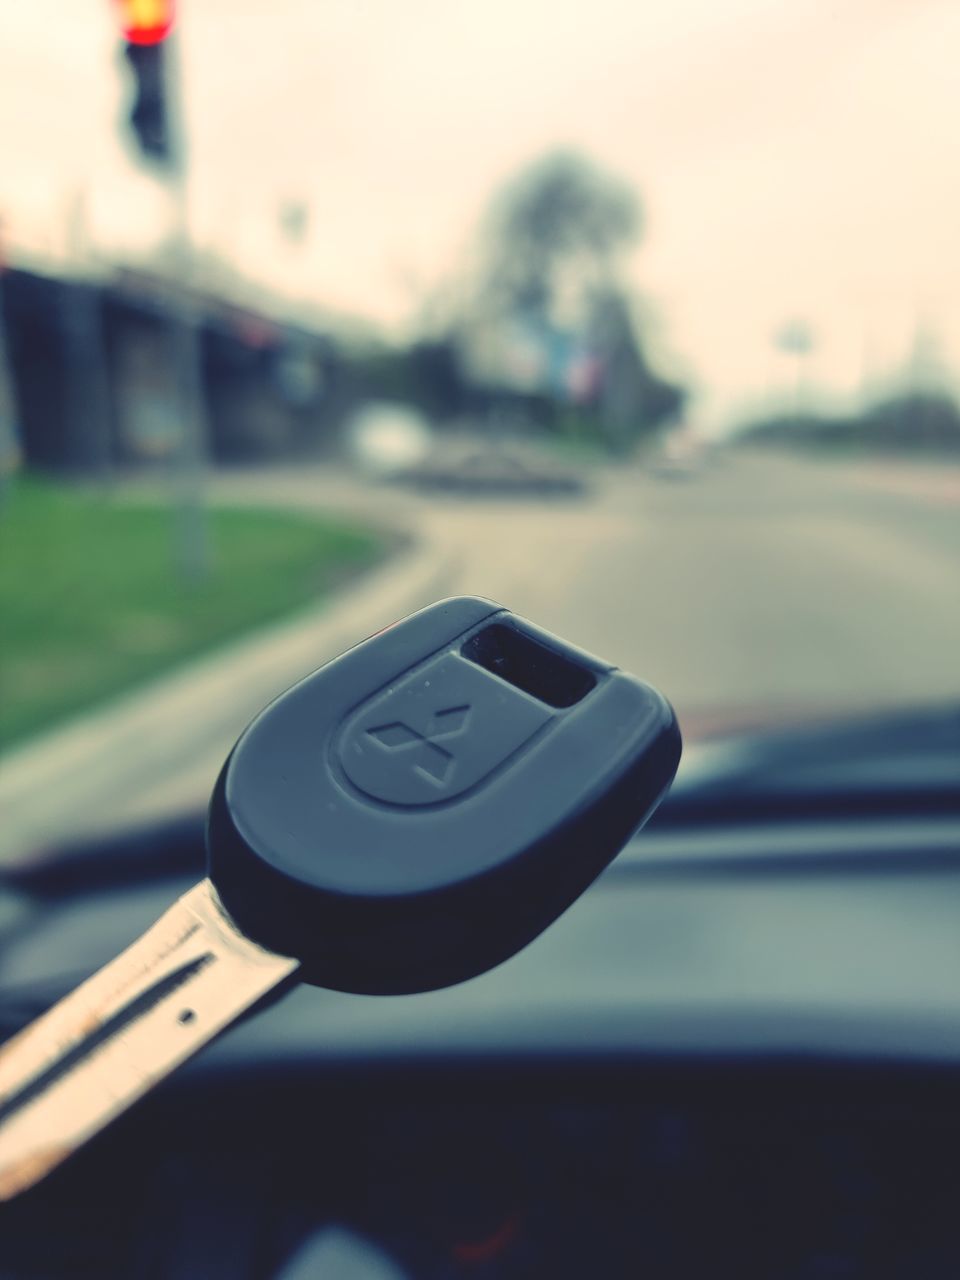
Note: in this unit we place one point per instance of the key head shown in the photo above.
(420, 808)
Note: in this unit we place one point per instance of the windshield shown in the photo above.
(639, 320)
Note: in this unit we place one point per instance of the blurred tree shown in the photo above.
(557, 229)
(631, 399)
(909, 422)
(551, 313)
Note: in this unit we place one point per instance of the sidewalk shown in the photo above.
(159, 749)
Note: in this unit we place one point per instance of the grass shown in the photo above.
(92, 602)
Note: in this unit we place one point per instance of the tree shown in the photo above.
(631, 398)
(551, 313)
(555, 234)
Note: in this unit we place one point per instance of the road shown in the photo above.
(760, 583)
(760, 590)
(764, 584)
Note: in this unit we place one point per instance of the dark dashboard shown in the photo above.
(618, 1168)
(738, 1055)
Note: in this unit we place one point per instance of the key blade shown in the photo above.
(69, 1073)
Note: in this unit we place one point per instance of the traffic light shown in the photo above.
(148, 116)
(145, 25)
(145, 21)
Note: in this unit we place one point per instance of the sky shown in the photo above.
(795, 159)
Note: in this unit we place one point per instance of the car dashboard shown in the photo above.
(738, 1054)
(619, 1168)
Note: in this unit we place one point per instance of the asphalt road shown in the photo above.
(760, 585)
(762, 589)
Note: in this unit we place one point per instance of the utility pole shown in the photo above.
(156, 119)
(9, 444)
(87, 376)
(795, 338)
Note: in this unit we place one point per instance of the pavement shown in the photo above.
(764, 587)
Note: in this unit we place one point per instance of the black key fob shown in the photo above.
(421, 807)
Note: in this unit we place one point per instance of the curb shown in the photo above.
(159, 748)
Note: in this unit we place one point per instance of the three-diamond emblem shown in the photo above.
(426, 755)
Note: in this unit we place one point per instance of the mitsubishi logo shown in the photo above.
(422, 749)
(435, 735)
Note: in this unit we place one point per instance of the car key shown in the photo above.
(408, 816)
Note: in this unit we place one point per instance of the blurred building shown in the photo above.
(92, 374)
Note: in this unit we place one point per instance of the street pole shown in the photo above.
(796, 340)
(88, 378)
(193, 549)
(9, 442)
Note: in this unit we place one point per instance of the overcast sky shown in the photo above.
(795, 158)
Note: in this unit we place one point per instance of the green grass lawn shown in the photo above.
(92, 601)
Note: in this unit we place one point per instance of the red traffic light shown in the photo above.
(145, 21)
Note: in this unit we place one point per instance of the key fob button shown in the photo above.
(440, 732)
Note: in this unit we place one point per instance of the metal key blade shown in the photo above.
(73, 1070)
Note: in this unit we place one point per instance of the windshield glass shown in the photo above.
(639, 320)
